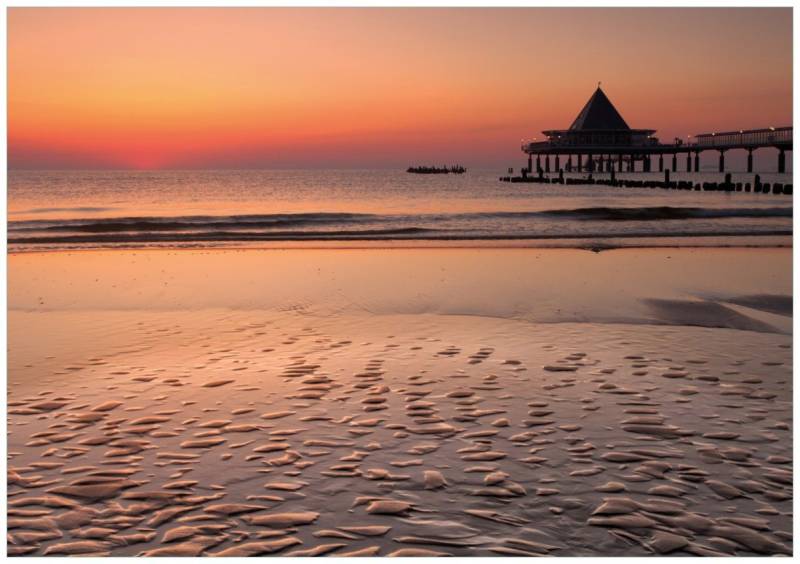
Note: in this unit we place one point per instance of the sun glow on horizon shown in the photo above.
(286, 87)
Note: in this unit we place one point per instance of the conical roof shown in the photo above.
(599, 113)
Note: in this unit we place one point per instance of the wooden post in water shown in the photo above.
(661, 162)
(697, 161)
(674, 162)
(722, 160)
(749, 160)
(781, 162)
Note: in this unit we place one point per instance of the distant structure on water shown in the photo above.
(456, 169)
(602, 141)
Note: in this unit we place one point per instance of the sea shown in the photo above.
(57, 210)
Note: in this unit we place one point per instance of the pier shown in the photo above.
(599, 140)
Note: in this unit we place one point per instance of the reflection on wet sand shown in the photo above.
(152, 418)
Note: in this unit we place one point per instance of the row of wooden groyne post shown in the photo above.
(727, 185)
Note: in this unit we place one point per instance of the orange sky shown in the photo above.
(374, 87)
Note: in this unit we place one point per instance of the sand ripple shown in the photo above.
(454, 437)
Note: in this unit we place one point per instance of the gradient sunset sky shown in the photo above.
(373, 87)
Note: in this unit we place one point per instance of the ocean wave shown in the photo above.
(409, 233)
(666, 213)
(562, 223)
(646, 213)
(120, 224)
(222, 236)
(323, 219)
(83, 209)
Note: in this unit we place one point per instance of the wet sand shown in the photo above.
(384, 407)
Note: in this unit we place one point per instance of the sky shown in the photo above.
(183, 88)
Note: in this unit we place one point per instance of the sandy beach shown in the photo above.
(402, 402)
(356, 281)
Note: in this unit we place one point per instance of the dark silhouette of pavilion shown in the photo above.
(602, 140)
(600, 124)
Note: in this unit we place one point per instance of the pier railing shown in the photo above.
(779, 137)
(773, 136)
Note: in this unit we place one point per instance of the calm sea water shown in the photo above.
(97, 209)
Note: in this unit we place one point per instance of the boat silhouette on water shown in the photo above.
(455, 169)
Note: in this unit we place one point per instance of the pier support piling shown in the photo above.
(660, 163)
(558, 164)
(619, 162)
(782, 161)
(547, 163)
(580, 162)
(689, 162)
(749, 160)
(697, 161)
(722, 160)
(674, 162)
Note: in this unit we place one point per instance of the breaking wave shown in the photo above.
(583, 223)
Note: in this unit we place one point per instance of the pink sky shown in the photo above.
(375, 87)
